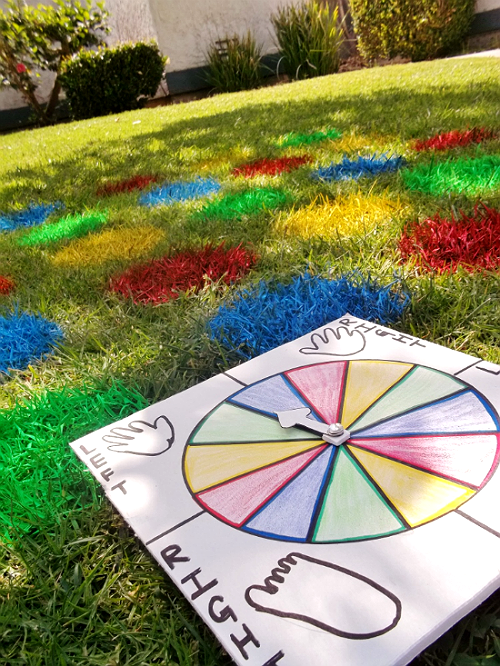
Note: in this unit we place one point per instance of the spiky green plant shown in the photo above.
(234, 63)
(309, 36)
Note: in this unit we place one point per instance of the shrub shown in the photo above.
(40, 38)
(309, 38)
(111, 80)
(416, 29)
(234, 63)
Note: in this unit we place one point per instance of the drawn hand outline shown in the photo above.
(157, 437)
(352, 342)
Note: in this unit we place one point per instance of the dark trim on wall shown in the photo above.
(188, 80)
(195, 78)
(486, 21)
(22, 117)
(11, 119)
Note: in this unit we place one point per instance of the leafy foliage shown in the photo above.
(112, 80)
(234, 63)
(41, 38)
(417, 30)
(309, 37)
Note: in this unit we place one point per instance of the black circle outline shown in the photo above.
(492, 410)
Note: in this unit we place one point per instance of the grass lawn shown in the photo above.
(75, 586)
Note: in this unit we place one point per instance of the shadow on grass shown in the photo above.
(397, 113)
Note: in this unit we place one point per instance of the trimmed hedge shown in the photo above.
(416, 29)
(111, 80)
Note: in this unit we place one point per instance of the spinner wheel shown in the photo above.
(420, 444)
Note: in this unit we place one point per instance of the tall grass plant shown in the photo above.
(309, 36)
(234, 63)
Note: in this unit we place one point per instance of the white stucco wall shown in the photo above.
(187, 28)
(130, 20)
(184, 29)
(486, 5)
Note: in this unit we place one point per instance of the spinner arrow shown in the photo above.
(333, 433)
(417, 443)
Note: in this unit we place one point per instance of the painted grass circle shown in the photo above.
(296, 139)
(71, 226)
(454, 139)
(112, 245)
(459, 176)
(6, 285)
(361, 167)
(344, 216)
(164, 279)
(41, 476)
(176, 192)
(268, 167)
(25, 339)
(31, 216)
(269, 314)
(128, 185)
(440, 244)
(242, 204)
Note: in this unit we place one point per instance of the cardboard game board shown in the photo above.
(334, 500)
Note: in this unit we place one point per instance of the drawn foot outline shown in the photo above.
(274, 583)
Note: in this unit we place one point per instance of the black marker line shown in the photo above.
(383, 395)
(326, 340)
(383, 496)
(327, 477)
(478, 523)
(490, 372)
(226, 374)
(466, 484)
(278, 577)
(175, 527)
(274, 660)
(455, 374)
(343, 387)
